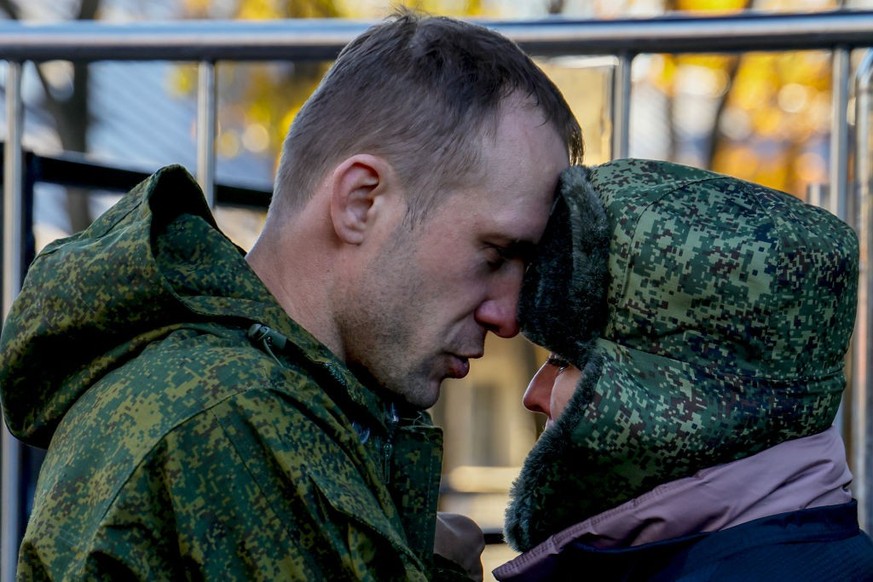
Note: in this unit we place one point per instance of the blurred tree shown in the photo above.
(67, 103)
(769, 111)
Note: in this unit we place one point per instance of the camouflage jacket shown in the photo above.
(193, 429)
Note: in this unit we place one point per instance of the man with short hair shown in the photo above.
(210, 414)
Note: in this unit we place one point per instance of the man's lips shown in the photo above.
(459, 366)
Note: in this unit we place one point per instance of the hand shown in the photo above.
(459, 540)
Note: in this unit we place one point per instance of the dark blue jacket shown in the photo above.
(812, 545)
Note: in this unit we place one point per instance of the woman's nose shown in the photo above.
(539, 391)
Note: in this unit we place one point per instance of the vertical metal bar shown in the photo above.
(839, 156)
(621, 96)
(12, 248)
(862, 347)
(206, 129)
(839, 159)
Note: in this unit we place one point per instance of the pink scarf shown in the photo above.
(796, 474)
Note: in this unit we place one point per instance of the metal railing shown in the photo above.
(208, 42)
(861, 404)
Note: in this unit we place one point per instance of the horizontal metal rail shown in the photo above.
(77, 170)
(322, 39)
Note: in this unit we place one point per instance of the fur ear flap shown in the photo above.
(563, 297)
(563, 308)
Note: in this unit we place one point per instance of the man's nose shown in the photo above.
(498, 316)
(497, 313)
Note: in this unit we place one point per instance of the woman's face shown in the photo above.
(551, 387)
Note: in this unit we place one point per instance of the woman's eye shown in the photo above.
(558, 362)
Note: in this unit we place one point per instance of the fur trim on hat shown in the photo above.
(563, 302)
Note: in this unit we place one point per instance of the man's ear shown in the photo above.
(359, 188)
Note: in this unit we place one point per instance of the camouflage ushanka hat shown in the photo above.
(710, 317)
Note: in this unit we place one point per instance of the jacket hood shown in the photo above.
(152, 263)
(710, 322)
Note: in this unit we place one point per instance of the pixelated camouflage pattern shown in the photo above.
(730, 307)
(179, 447)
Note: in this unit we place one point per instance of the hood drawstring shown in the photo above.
(267, 338)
